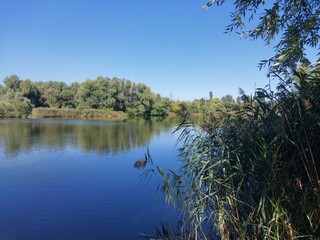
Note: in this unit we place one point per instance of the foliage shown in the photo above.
(161, 107)
(6, 109)
(134, 99)
(54, 113)
(14, 104)
(100, 94)
(12, 82)
(202, 110)
(297, 21)
(30, 91)
(255, 176)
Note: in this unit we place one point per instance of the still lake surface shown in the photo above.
(74, 179)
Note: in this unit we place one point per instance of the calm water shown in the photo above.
(73, 179)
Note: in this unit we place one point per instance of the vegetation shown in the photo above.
(57, 99)
(76, 113)
(296, 21)
(99, 98)
(255, 176)
(256, 173)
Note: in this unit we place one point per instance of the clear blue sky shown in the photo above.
(173, 46)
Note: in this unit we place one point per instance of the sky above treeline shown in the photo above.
(175, 47)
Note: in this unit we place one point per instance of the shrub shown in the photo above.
(117, 116)
(54, 113)
(15, 108)
(6, 110)
(93, 113)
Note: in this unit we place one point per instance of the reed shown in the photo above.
(255, 175)
(77, 114)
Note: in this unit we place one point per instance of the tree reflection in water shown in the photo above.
(97, 136)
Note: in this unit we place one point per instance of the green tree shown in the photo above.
(89, 94)
(210, 95)
(142, 100)
(116, 94)
(51, 97)
(74, 87)
(127, 91)
(14, 104)
(161, 107)
(102, 93)
(67, 98)
(195, 107)
(228, 102)
(2, 90)
(12, 82)
(30, 91)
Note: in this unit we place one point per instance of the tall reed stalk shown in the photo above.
(254, 176)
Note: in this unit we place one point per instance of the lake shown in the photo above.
(74, 179)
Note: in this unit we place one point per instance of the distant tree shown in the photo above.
(238, 100)
(228, 102)
(210, 95)
(74, 87)
(88, 93)
(116, 94)
(51, 97)
(60, 86)
(142, 100)
(196, 106)
(2, 90)
(14, 104)
(161, 107)
(102, 93)
(127, 91)
(22, 105)
(182, 109)
(30, 91)
(67, 98)
(12, 82)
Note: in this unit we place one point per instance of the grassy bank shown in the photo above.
(77, 114)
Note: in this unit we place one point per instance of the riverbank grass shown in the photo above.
(77, 114)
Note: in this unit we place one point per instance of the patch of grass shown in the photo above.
(77, 114)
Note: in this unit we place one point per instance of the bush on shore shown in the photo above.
(19, 108)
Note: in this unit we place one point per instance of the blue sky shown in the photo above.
(173, 46)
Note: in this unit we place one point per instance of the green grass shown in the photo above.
(77, 114)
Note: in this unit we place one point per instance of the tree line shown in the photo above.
(19, 97)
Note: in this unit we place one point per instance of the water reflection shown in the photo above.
(98, 136)
(56, 182)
